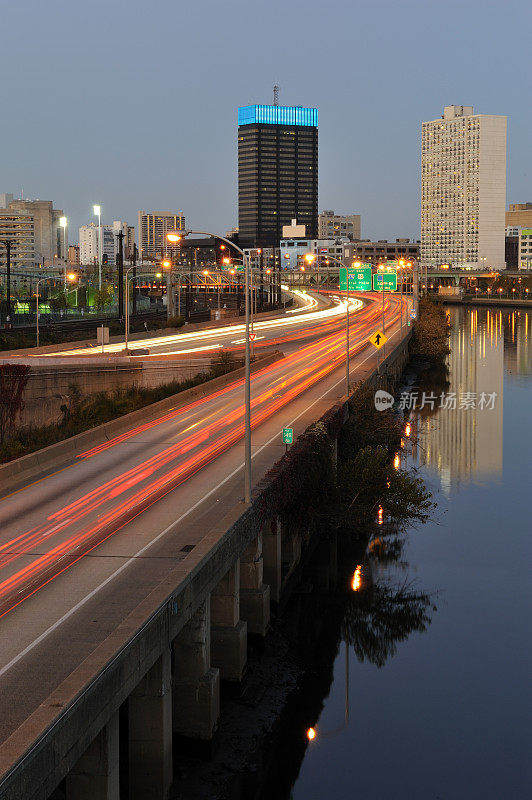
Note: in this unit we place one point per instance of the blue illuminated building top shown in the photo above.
(278, 115)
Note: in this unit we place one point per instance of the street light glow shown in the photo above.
(174, 237)
(311, 734)
(97, 210)
(166, 264)
(63, 222)
(72, 276)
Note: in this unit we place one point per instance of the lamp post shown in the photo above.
(176, 236)
(7, 244)
(134, 277)
(97, 210)
(63, 224)
(310, 258)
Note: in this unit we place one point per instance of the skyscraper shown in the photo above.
(277, 172)
(463, 189)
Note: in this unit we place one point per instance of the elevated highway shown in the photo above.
(124, 578)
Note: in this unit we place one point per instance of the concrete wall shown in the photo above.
(48, 387)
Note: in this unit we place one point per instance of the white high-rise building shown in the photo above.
(463, 190)
(89, 238)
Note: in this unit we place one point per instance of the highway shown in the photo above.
(314, 315)
(83, 546)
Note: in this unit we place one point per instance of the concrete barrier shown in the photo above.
(23, 469)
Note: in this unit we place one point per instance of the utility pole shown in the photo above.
(134, 271)
(7, 244)
(120, 265)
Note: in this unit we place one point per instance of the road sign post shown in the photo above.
(378, 339)
(390, 281)
(359, 278)
(288, 436)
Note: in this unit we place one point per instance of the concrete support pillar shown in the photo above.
(254, 594)
(96, 774)
(228, 631)
(195, 685)
(150, 733)
(290, 551)
(271, 553)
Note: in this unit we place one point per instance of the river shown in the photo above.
(436, 703)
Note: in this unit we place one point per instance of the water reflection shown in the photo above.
(386, 608)
(465, 444)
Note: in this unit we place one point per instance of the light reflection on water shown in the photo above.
(439, 699)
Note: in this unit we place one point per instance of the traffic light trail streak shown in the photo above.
(200, 432)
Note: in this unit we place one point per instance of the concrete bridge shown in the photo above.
(146, 655)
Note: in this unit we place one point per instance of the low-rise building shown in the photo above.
(333, 226)
(525, 249)
(383, 250)
(519, 215)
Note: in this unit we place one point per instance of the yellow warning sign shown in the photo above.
(378, 339)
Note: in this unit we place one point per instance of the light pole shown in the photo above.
(176, 236)
(134, 277)
(310, 258)
(7, 244)
(63, 224)
(97, 210)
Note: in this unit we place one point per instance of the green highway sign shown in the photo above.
(390, 281)
(288, 435)
(359, 278)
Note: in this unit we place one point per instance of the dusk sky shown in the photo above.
(133, 104)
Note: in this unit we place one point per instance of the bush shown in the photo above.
(431, 332)
(174, 322)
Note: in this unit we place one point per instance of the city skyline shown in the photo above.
(125, 159)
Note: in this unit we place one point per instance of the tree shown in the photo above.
(13, 380)
(103, 297)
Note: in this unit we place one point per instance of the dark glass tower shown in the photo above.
(277, 172)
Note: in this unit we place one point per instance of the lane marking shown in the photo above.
(141, 552)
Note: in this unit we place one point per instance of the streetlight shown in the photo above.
(176, 236)
(341, 263)
(97, 210)
(63, 224)
(134, 277)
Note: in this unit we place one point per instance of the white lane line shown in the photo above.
(141, 552)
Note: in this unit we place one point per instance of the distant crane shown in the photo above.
(276, 95)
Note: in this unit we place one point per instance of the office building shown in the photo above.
(293, 252)
(277, 172)
(331, 225)
(383, 250)
(17, 227)
(463, 190)
(518, 215)
(51, 239)
(152, 232)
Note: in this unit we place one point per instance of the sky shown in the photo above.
(133, 104)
